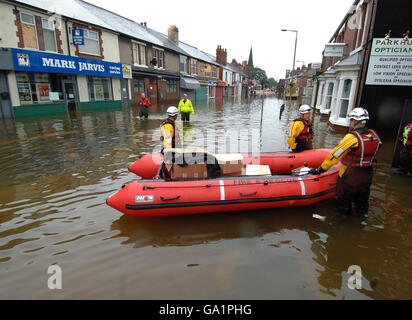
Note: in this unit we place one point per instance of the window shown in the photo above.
(91, 43)
(171, 86)
(100, 89)
(212, 92)
(159, 56)
(193, 66)
(183, 64)
(347, 86)
(139, 54)
(49, 35)
(321, 94)
(329, 96)
(214, 72)
(34, 88)
(28, 26)
(138, 85)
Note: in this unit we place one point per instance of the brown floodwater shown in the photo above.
(57, 171)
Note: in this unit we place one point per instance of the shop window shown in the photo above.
(91, 43)
(183, 64)
(29, 30)
(34, 88)
(329, 96)
(100, 89)
(49, 35)
(171, 86)
(139, 54)
(138, 85)
(347, 86)
(159, 56)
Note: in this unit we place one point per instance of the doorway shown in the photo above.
(124, 85)
(151, 93)
(70, 95)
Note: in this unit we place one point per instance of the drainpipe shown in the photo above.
(67, 36)
(359, 89)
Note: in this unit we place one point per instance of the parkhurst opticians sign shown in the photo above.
(34, 61)
(390, 63)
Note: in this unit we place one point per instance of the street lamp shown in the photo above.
(294, 59)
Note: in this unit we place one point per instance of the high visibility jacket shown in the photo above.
(170, 136)
(365, 154)
(186, 106)
(407, 136)
(300, 130)
(349, 142)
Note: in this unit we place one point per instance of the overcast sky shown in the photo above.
(238, 25)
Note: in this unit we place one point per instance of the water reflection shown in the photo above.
(57, 171)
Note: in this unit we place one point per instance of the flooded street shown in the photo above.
(57, 171)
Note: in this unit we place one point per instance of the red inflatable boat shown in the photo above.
(159, 198)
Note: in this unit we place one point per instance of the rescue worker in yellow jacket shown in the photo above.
(357, 152)
(185, 108)
(300, 131)
(170, 136)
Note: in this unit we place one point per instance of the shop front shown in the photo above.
(189, 86)
(44, 83)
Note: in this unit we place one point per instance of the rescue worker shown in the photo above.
(357, 152)
(405, 161)
(300, 131)
(185, 107)
(144, 104)
(170, 136)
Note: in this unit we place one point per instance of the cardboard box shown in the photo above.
(194, 171)
(256, 170)
(230, 163)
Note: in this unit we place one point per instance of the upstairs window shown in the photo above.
(159, 56)
(91, 43)
(49, 34)
(139, 54)
(28, 25)
(193, 66)
(183, 64)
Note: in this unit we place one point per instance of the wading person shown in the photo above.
(300, 131)
(185, 108)
(405, 159)
(144, 104)
(357, 151)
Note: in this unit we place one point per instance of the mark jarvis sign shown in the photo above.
(34, 61)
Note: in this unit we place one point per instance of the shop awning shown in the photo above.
(189, 83)
(139, 74)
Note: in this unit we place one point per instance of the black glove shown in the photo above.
(316, 171)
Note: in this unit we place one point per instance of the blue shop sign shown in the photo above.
(35, 61)
(78, 37)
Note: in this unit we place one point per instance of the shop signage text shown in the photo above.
(78, 37)
(390, 63)
(334, 49)
(33, 61)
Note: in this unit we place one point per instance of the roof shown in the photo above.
(352, 60)
(88, 13)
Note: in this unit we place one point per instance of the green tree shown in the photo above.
(272, 83)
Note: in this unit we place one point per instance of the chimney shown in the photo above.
(173, 34)
(221, 55)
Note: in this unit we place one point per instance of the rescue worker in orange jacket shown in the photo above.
(357, 152)
(405, 161)
(300, 131)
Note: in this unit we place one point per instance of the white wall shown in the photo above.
(117, 92)
(14, 95)
(83, 88)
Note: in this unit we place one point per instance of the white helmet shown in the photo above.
(359, 114)
(172, 111)
(304, 108)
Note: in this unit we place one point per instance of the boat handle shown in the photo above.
(247, 195)
(333, 184)
(169, 199)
